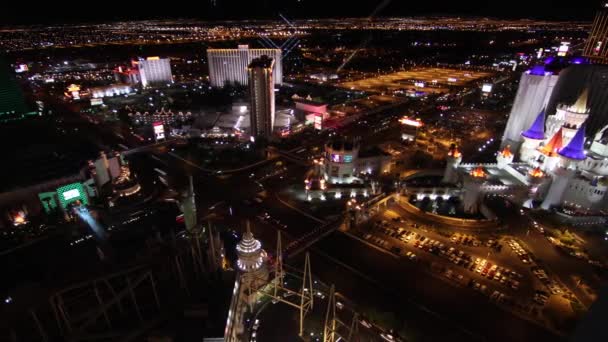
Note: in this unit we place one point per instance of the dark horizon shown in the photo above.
(303, 9)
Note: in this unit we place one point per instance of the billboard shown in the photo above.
(21, 68)
(337, 158)
(96, 102)
(159, 130)
(411, 122)
(318, 121)
(71, 193)
(486, 88)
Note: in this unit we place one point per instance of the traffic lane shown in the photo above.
(405, 282)
(295, 223)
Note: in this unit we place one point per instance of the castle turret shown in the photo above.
(505, 157)
(472, 190)
(569, 117)
(550, 151)
(599, 145)
(561, 178)
(532, 137)
(575, 150)
(454, 159)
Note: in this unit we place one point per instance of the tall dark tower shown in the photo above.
(12, 103)
(261, 92)
(596, 47)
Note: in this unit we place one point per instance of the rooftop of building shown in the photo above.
(38, 154)
(309, 102)
(497, 176)
(341, 144)
(373, 151)
(261, 62)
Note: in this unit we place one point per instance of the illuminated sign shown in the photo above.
(154, 58)
(410, 122)
(419, 84)
(74, 91)
(563, 49)
(486, 88)
(21, 68)
(597, 48)
(318, 122)
(348, 158)
(68, 195)
(539, 54)
(96, 102)
(452, 79)
(159, 130)
(335, 158)
(71, 193)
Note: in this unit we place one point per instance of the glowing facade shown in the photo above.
(230, 65)
(155, 70)
(341, 157)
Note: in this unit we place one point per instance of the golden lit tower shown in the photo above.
(261, 89)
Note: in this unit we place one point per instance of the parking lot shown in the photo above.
(501, 268)
(429, 80)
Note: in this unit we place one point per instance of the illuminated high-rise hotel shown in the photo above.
(596, 48)
(155, 70)
(261, 92)
(230, 65)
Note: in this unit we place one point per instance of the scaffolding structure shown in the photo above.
(303, 299)
(335, 329)
(248, 289)
(95, 309)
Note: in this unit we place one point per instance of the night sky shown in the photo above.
(54, 11)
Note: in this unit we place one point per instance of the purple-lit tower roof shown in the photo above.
(537, 130)
(575, 148)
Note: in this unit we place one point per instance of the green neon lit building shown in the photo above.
(71, 193)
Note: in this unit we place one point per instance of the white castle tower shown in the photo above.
(504, 157)
(561, 179)
(450, 175)
(473, 183)
(533, 137)
(570, 118)
(599, 145)
(252, 274)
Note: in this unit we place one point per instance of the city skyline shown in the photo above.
(309, 170)
(303, 9)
